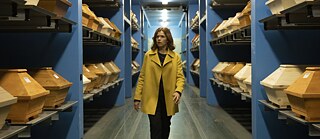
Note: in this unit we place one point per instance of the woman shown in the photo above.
(160, 84)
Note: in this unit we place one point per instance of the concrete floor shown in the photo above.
(195, 120)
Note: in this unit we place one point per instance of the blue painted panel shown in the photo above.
(269, 50)
(193, 8)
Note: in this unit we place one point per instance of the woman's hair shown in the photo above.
(167, 33)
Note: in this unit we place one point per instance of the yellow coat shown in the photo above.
(147, 90)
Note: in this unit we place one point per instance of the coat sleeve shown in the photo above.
(139, 88)
(180, 76)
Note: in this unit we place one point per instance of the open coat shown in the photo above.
(147, 90)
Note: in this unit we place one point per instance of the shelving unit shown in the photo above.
(34, 37)
(298, 17)
(278, 39)
(192, 54)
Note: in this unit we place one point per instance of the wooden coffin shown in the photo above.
(279, 80)
(304, 95)
(234, 23)
(117, 33)
(85, 16)
(214, 30)
(6, 100)
(224, 71)
(106, 28)
(52, 81)
(59, 7)
(245, 17)
(106, 71)
(93, 20)
(196, 65)
(99, 72)
(234, 70)
(31, 95)
(276, 6)
(136, 64)
(85, 82)
(114, 69)
(230, 1)
(300, 1)
(243, 74)
(32, 2)
(92, 77)
(248, 84)
(113, 32)
(217, 71)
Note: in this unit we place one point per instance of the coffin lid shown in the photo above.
(87, 10)
(244, 73)
(112, 68)
(49, 79)
(117, 69)
(6, 98)
(20, 84)
(247, 9)
(136, 63)
(235, 20)
(219, 68)
(228, 67)
(113, 25)
(88, 73)
(307, 85)
(235, 69)
(105, 24)
(64, 1)
(104, 68)
(215, 27)
(248, 80)
(85, 80)
(95, 69)
(283, 76)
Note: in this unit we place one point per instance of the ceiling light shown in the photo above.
(165, 2)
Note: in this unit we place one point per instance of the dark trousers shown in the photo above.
(160, 122)
(160, 125)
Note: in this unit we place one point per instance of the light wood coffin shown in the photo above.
(59, 7)
(107, 72)
(245, 17)
(31, 95)
(304, 95)
(92, 77)
(106, 28)
(85, 15)
(234, 70)
(117, 32)
(114, 69)
(248, 84)
(136, 64)
(32, 2)
(243, 74)
(234, 23)
(85, 82)
(6, 100)
(94, 22)
(224, 71)
(101, 74)
(52, 81)
(217, 71)
(276, 6)
(279, 80)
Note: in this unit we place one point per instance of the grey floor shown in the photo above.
(196, 120)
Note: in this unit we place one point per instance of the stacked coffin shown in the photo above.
(6, 100)
(31, 95)
(52, 81)
(92, 77)
(115, 71)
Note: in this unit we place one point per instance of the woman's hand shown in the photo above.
(136, 105)
(176, 97)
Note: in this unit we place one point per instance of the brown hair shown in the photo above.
(168, 34)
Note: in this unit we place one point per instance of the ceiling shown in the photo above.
(153, 10)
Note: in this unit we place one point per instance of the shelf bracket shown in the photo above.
(25, 133)
(313, 131)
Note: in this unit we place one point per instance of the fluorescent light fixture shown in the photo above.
(164, 2)
(164, 15)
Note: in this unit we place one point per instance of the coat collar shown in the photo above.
(155, 57)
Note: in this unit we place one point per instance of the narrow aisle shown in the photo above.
(195, 120)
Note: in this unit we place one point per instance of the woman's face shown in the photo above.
(161, 40)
